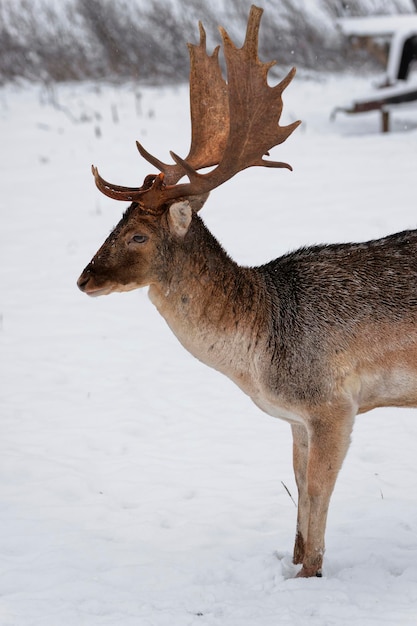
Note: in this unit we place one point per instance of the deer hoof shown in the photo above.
(306, 572)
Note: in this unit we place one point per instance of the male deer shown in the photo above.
(314, 337)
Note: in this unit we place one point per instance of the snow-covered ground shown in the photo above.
(138, 487)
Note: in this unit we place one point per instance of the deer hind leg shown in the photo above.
(318, 456)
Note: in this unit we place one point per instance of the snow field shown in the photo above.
(138, 487)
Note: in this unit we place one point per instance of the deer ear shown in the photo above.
(179, 217)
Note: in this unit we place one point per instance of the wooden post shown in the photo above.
(385, 120)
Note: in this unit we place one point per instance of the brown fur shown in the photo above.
(314, 337)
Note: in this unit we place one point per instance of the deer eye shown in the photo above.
(139, 238)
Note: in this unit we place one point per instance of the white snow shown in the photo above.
(138, 487)
(378, 25)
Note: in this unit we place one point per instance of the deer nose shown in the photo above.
(83, 280)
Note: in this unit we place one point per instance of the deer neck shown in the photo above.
(212, 305)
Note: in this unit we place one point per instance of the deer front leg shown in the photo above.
(325, 446)
(300, 458)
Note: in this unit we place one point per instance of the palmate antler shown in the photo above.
(234, 124)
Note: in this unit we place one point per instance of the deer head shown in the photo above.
(234, 124)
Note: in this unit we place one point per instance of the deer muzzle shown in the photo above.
(88, 284)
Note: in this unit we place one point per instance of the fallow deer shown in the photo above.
(314, 337)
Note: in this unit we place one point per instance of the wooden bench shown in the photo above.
(395, 29)
(382, 100)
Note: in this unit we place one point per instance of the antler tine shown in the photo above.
(127, 194)
(250, 44)
(117, 192)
